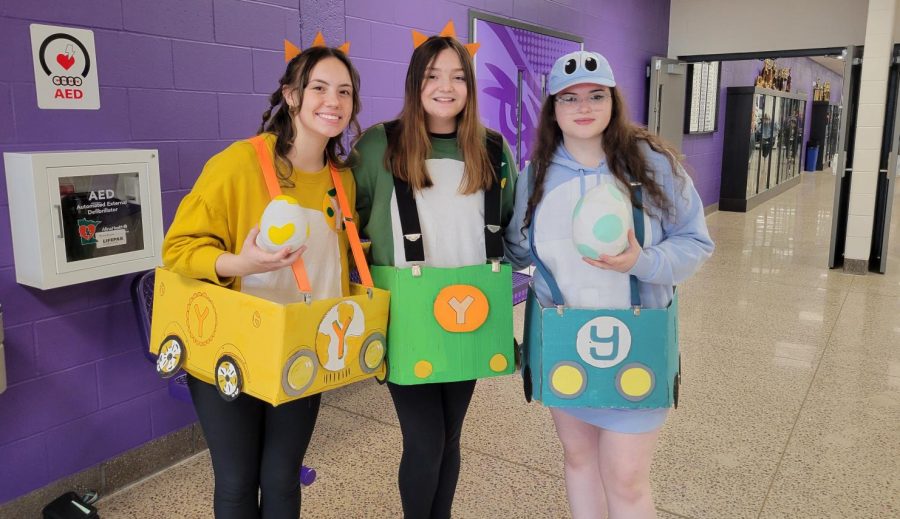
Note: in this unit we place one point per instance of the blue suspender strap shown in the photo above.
(555, 292)
(638, 213)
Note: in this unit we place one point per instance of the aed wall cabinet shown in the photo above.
(77, 216)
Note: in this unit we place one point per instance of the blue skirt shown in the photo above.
(627, 421)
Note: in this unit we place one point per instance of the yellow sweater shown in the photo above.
(228, 200)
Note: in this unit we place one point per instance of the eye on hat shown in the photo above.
(579, 67)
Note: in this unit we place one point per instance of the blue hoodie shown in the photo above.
(674, 247)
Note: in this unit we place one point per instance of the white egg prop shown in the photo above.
(283, 224)
(600, 222)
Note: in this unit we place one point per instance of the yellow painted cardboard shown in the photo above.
(282, 352)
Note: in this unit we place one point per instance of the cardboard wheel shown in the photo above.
(526, 382)
(676, 389)
(171, 356)
(517, 353)
(387, 369)
(229, 380)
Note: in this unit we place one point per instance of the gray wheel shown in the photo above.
(171, 356)
(229, 380)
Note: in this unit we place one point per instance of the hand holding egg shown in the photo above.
(283, 224)
(601, 221)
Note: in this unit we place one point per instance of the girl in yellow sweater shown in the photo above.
(257, 449)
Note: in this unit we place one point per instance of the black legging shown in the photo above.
(256, 450)
(431, 419)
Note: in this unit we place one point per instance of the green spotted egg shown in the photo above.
(600, 222)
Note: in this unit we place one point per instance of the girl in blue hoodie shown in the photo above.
(585, 139)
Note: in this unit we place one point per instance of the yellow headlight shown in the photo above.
(635, 381)
(498, 363)
(301, 372)
(423, 369)
(567, 380)
(374, 354)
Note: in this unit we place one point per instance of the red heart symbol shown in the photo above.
(87, 231)
(65, 61)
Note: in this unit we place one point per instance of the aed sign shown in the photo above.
(65, 68)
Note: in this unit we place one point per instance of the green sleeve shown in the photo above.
(374, 188)
(370, 153)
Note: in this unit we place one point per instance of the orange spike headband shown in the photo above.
(448, 30)
(291, 51)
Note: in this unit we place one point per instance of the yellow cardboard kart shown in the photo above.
(274, 352)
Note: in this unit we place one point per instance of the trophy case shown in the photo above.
(762, 147)
(825, 120)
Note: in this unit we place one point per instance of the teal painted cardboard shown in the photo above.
(608, 348)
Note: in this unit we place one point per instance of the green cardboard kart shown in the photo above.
(421, 350)
(449, 324)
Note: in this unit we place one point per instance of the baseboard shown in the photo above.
(857, 267)
(114, 473)
(711, 208)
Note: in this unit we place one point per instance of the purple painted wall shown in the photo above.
(627, 33)
(187, 77)
(704, 152)
(181, 76)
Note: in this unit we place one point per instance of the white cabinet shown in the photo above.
(77, 216)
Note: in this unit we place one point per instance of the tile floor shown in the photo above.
(790, 406)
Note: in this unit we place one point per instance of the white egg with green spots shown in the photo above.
(600, 222)
(283, 224)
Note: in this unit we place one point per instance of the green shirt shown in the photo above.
(452, 224)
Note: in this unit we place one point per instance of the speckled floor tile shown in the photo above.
(736, 413)
(784, 273)
(502, 424)
(356, 461)
(867, 333)
(768, 311)
(184, 490)
(367, 398)
(490, 487)
(842, 458)
(887, 284)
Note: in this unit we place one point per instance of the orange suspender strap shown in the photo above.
(352, 232)
(266, 162)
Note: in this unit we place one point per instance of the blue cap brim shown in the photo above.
(582, 81)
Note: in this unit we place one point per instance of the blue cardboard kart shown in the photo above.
(602, 358)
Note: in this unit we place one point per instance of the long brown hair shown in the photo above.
(281, 122)
(621, 143)
(405, 156)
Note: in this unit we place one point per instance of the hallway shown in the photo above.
(790, 406)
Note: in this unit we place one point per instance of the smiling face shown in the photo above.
(327, 101)
(588, 116)
(443, 92)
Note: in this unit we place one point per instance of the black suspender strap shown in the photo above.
(638, 216)
(409, 213)
(493, 239)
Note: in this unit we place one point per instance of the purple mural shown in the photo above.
(511, 65)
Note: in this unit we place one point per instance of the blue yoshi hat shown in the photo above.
(579, 67)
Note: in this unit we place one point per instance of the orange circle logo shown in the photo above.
(461, 308)
(201, 318)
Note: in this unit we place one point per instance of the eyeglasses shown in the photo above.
(572, 101)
